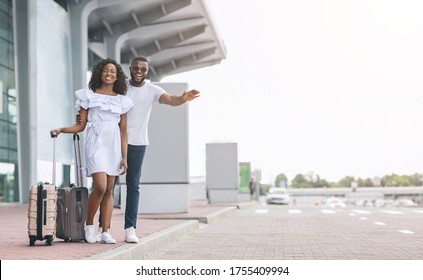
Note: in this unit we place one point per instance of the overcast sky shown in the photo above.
(333, 87)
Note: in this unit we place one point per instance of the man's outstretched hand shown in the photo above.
(190, 95)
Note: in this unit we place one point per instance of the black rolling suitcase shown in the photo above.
(72, 204)
(42, 209)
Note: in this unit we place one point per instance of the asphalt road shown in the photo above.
(304, 232)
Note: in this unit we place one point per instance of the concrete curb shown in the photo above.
(147, 244)
(245, 205)
(211, 218)
(152, 242)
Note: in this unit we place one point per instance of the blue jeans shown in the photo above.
(133, 176)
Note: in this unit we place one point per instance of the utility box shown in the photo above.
(222, 172)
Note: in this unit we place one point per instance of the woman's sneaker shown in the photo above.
(98, 234)
(107, 238)
(130, 235)
(90, 233)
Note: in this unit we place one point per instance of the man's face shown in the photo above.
(139, 71)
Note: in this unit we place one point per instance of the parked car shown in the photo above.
(389, 202)
(404, 202)
(383, 202)
(277, 195)
(335, 202)
(368, 203)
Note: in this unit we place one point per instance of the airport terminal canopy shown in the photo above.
(175, 35)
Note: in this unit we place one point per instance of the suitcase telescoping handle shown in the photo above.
(78, 161)
(54, 162)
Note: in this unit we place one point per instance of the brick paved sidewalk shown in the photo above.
(14, 239)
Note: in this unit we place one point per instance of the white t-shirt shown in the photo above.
(138, 117)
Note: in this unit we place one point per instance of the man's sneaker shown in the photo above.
(90, 233)
(107, 238)
(98, 234)
(130, 235)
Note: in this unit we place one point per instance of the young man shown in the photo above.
(144, 94)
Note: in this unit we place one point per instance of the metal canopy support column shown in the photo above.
(25, 48)
(78, 14)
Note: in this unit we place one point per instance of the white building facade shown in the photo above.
(47, 48)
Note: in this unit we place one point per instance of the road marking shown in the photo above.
(351, 214)
(380, 224)
(363, 218)
(393, 212)
(406, 231)
(417, 211)
(261, 211)
(294, 211)
(324, 211)
(361, 212)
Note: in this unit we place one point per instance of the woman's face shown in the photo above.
(109, 74)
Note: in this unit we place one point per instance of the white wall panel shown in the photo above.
(167, 156)
(222, 168)
(55, 99)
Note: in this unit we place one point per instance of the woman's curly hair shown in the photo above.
(119, 86)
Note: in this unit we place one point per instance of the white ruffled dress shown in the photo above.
(103, 151)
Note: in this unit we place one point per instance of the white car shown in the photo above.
(335, 202)
(277, 195)
(404, 202)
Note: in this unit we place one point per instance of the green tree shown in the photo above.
(368, 182)
(300, 182)
(320, 183)
(281, 178)
(395, 180)
(346, 182)
(365, 182)
(415, 179)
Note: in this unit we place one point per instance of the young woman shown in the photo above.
(103, 109)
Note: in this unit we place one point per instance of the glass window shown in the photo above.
(9, 191)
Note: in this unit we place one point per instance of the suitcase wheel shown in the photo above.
(32, 240)
(49, 240)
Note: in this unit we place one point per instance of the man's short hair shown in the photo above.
(139, 58)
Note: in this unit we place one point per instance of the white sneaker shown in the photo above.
(130, 235)
(107, 238)
(98, 234)
(90, 233)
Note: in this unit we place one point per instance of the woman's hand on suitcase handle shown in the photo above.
(54, 133)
